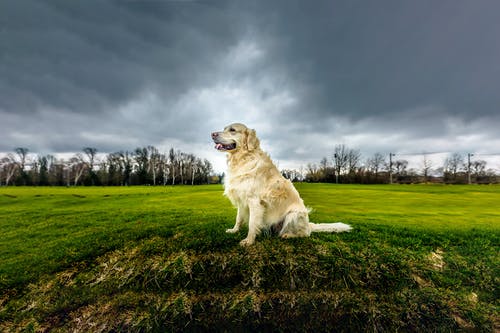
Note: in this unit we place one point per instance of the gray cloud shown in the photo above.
(379, 58)
(92, 56)
(382, 76)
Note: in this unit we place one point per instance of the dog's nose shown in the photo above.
(214, 135)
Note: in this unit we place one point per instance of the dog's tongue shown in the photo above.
(219, 146)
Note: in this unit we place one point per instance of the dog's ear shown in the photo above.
(251, 141)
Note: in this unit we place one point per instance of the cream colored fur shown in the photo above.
(264, 198)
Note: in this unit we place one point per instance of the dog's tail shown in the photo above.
(330, 227)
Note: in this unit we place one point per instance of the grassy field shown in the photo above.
(420, 258)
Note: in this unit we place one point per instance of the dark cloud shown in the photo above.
(359, 59)
(380, 76)
(90, 56)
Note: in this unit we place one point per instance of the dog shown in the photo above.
(264, 198)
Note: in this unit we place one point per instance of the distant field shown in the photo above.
(385, 264)
(431, 207)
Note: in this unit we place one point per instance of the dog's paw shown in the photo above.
(246, 242)
(232, 231)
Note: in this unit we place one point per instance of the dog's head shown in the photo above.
(235, 137)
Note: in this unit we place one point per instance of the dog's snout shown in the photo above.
(214, 135)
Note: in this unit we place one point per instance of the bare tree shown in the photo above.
(326, 171)
(205, 168)
(78, 167)
(166, 172)
(127, 164)
(194, 170)
(142, 165)
(153, 161)
(453, 165)
(400, 167)
(375, 163)
(9, 168)
(324, 165)
(353, 159)
(172, 158)
(33, 175)
(58, 173)
(426, 166)
(114, 169)
(91, 154)
(22, 153)
(340, 160)
(345, 161)
(313, 173)
(182, 165)
(289, 174)
(478, 168)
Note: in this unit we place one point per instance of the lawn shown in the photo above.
(420, 258)
(419, 207)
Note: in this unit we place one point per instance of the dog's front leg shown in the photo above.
(241, 217)
(254, 223)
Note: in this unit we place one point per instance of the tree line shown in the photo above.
(347, 165)
(142, 166)
(147, 166)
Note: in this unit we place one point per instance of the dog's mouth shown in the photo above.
(225, 147)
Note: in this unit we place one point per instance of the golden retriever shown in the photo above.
(264, 198)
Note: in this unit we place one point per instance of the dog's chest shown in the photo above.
(238, 188)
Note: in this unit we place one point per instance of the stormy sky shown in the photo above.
(378, 76)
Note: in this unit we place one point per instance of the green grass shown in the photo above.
(421, 258)
(420, 207)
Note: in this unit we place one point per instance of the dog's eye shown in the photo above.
(232, 130)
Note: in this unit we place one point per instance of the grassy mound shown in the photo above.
(157, 268)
